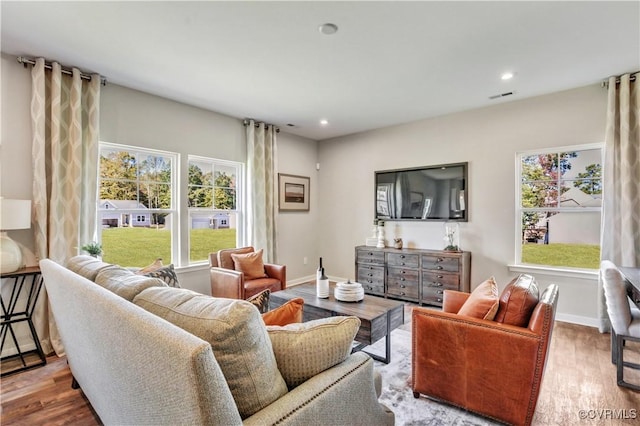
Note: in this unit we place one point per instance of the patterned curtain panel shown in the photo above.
(64, 119)
(621, 192)
(261, 198)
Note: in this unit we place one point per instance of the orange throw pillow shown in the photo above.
(483, 302)
(288, 313)
(250, 264)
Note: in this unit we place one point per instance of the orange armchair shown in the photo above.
(489, 367)
(232, 284)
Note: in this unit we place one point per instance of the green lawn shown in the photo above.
(141, 246)
(572, 255)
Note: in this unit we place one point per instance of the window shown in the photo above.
(559, 207)
(214, 206)
(137, 204)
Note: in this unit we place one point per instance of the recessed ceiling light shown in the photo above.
(507, 76)
(324, 122)
(328, 29)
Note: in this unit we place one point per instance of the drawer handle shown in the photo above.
(402, 263)
(369, 287)
(440, 260)
(370, 254)
(370, 275)
(439, 291)
(402, 256)
(402, 286)
(402, 272)
(438, 284)
(402, 293)
(439, 267)
(369, 281)
(439, 276)
(401, 278)
(438, 299)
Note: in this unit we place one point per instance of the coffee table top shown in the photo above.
(369, 308)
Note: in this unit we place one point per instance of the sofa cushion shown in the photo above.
(224, 256)
(303, 350)
(166, 274)
(483, 301)
(237, 336)
(288, 313)
(86, 266)
(517, 301)
(125, 283)
(250, 264)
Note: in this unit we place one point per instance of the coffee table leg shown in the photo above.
(387, 344)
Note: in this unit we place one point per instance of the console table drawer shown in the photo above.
(403, 282)
(440, 263)
(368, 273)
(373, 288)
(432, 296)
(400, 259)
(444, 280)
(370, 256)
(404, 290)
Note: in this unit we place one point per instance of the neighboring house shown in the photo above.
(120, 213)
(215, 221)
(574, 228)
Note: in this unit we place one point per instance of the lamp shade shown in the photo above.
(15, 214)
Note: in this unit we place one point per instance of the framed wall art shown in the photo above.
(293, 192)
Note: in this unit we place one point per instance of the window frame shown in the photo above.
(518, 265)
(240, 204)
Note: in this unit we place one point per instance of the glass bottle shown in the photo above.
(451, 236)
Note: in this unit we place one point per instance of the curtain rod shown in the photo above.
(26, 61)
(245, 122)
(605, 83)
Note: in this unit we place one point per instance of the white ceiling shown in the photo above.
(389, 63)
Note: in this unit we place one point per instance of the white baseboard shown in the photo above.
(311, 278)
(577, 319)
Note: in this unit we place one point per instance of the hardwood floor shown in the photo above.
(579, 376)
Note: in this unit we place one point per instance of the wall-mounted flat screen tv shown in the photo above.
(435, 193)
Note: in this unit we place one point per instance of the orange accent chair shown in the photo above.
(490, 367)
(230, 283)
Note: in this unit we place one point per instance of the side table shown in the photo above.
(26, 284)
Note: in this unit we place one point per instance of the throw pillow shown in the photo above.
(86, 266)
(224, 256)
(166, 274)
(306, 349)
(157, 264)
(288, 313)
(483, 301)
(250, 264)
(237, 336)
(517, 301)
(261, 300)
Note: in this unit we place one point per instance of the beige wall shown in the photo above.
(134, 118)
(488, 139)
(342, 189)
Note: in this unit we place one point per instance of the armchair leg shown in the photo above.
(416, 395)
(74, 383)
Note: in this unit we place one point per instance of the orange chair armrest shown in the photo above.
(453, 300)
(227, 283)
(279, 272)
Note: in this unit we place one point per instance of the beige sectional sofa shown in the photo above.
(148, 354)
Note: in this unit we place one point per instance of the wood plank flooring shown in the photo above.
(579, 376)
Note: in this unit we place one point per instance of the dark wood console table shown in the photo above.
(25, 285)
(632, 276)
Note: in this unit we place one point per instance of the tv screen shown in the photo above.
(436, 193)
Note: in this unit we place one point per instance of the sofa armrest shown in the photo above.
(279, 272)
(226, 283)
(338, 396)
(453, 300)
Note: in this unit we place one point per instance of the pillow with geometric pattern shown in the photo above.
(261, 300)
(167, 274)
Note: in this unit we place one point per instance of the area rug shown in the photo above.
(398, 396)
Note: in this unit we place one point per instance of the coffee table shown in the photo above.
(378, 316)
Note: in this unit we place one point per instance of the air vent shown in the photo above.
(502, 95)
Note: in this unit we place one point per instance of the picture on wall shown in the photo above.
(293, 192)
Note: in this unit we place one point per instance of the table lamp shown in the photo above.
(14, 214)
